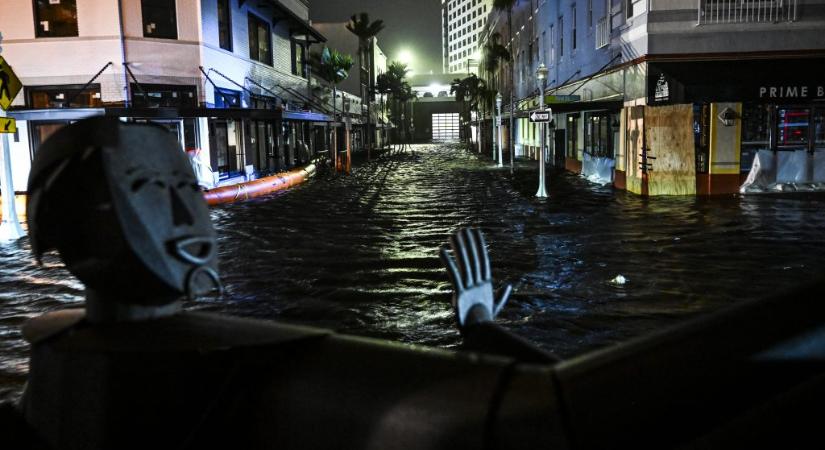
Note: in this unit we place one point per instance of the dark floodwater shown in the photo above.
(359, 254)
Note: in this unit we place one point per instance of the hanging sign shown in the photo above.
(9, 85)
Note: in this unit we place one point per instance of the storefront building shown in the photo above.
(228, 78)
(679, 98)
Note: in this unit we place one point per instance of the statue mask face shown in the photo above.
(139, 228)
(161, 209)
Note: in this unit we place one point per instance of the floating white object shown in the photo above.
(619, 280)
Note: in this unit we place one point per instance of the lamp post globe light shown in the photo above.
(541, 76)
(498, 124)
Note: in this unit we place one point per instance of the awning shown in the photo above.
(166, 113)
(306, 116)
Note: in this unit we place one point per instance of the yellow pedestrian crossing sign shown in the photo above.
(8, 125)
(9, 85)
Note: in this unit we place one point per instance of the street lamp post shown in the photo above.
(498, 124)
(541, 75)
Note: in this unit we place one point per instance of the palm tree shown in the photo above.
(461, 89)
(393, 82)
(332, 67)
(507, 5)
(494, 53)
(366, 31)
(486, 102)
(469, 92)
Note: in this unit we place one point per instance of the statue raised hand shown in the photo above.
(471, 277)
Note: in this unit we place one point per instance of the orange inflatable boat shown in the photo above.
(259, 187)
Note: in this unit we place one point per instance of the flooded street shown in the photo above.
(359, 254)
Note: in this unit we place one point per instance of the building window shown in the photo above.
(299, 59)
(598, 137)
(227, 98)
(55, 19)
(792, 128)
(561, 37)
(589, 13)
(159, 19)
(260, 40)
(225, 25)
(629, 8)
(64, 96)
(573, 28)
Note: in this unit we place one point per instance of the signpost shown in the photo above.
(541, 116)
(10, 86)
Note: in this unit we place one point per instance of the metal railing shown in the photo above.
(603, 32)
(744, 11)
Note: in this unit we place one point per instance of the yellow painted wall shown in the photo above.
(20, 206)
(621, 143)
(669, 138)
(633, 147)
(725, 141)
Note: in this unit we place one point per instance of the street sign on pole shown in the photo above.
(9, 88)
(9, 85)
(541, 116)
(8, 125)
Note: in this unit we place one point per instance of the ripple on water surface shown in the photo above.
(360, 254)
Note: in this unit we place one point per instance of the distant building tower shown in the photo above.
(462, 22)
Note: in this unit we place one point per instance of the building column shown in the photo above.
(725, 150)
(620, 168)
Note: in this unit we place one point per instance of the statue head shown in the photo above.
(121, 205)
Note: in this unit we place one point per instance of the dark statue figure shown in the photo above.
(122, 206)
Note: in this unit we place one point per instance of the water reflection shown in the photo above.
(360, 254)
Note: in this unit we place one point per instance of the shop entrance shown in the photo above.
(261, 143)
(446, 127)
(226, 155)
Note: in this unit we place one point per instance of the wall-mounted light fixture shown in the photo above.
(727, 117)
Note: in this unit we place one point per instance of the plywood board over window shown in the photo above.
(669, 138)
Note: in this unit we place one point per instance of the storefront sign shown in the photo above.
(779, 80)
(662, 91)
(801, 92)
(562, 99)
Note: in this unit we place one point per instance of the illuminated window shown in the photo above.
(55, 19)
(64, 96)
(299, 59)
(792, 127)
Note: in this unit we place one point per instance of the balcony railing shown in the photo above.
(603, 32)
(744, 11)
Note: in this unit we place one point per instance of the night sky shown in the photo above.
(411, 24)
